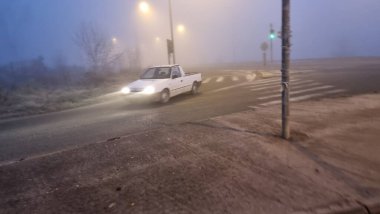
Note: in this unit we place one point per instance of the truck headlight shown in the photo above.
(149, 90)
(125, 90)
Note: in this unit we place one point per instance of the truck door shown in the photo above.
(187, 82)
(176, 82)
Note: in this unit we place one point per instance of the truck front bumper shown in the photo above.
(138, 97)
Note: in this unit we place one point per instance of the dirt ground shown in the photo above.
(229, 164)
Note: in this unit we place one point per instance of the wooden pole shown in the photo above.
(285, 68)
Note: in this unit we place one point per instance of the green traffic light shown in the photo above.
(272, 36)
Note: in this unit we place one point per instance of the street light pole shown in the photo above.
(285, 35)
(171, 29)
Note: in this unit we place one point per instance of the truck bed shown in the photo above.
(189, 74)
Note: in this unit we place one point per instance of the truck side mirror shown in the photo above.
(175, 76)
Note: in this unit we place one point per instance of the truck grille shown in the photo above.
(136, 89)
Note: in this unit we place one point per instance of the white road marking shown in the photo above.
(278, 82)
(312, 89)
(300, 98)
(273, 79)
(292, 82)
(255, 85)
(293, 86)
(220, 79)
(264, 87)
(239, 85)
(274, 102)
(229, 87)
(298, 92)
(305, 97)
(245, 71)
(250, 77)
(301, 84)
(267, 81)
(301, 71)
(206, 80)
(232, 86)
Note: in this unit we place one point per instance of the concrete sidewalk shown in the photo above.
(229, 164)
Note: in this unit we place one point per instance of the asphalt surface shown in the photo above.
(234, 163)
(224, 91)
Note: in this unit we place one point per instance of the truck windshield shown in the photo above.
(156, 73)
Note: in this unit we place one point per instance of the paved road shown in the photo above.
(223, 91)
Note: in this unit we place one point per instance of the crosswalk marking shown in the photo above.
(250, 77)
(312, 89)
(305, 97)
(300, 98)
(254, 85)
(292, 87)
(220, 79)
(260, 84)
(293, 82)
(269, 89)
(301, 84)
(234, 78)
(297, 92)
(206, 80)
(301, 71)
(230, 87)
(272, 80)
(264, 87)
(265, 82)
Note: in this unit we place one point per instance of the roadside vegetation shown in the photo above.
(32, 86)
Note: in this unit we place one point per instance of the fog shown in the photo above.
(216, 31)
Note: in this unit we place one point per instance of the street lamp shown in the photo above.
(144, 7)
(114, 40)
(181, 28)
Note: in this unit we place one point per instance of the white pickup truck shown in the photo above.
(160, 83)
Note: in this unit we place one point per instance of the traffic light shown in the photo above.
(272, 35)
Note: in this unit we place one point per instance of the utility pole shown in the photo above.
(171, 29)
(285, 36)
(170, 47)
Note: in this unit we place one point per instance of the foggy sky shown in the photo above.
(216, 30)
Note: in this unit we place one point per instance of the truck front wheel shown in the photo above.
(164, 96)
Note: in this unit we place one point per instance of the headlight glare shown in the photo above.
(149, 90)
(125, 90)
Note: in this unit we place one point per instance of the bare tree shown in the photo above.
(97, 47)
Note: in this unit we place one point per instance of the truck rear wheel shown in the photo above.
(195, 88)
(164, 96)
